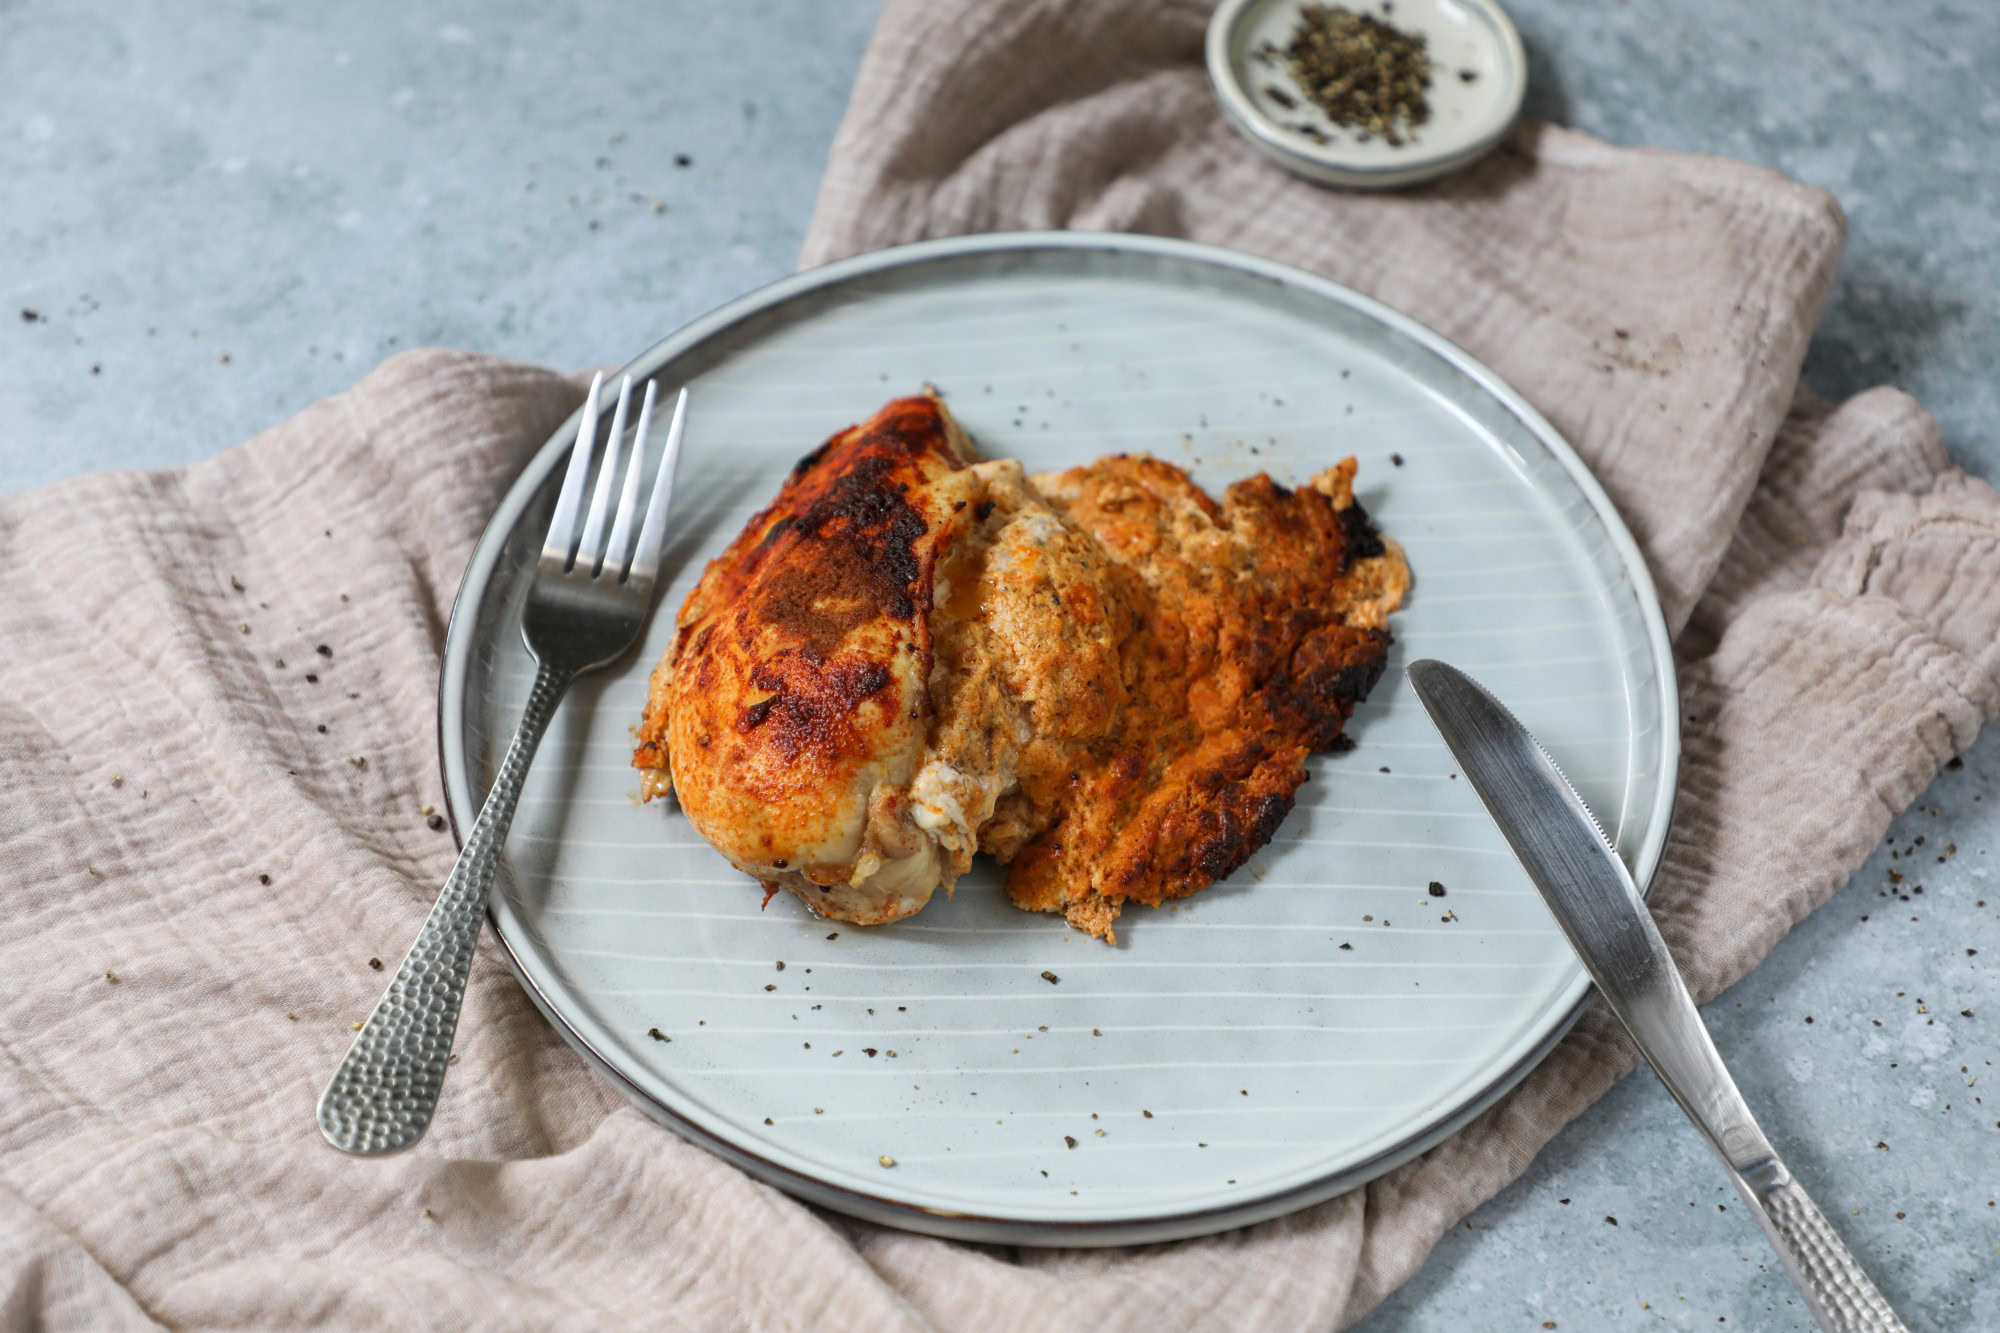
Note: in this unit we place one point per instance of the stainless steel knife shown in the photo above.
(1598, 907)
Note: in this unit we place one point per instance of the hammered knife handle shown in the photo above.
(1843, 1298)
(382, 1097)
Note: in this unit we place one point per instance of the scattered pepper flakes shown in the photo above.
(435, 821)
(321, 728)
(1395, 460)
(263, 879)
(1347, 946)
(111, 976)
(781, 967)
(1069, 1140)
(360, 762)
(311, 678)
(242, 629)
(1051, 978)
(375, 963)
(1437, 889)
(1097, 1032)
(324, 651)
(770, 985)
(1610, 1219)
(834, 936)
(236, 583)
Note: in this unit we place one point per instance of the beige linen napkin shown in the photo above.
(211, 797)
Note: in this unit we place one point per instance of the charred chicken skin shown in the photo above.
(1100, 677)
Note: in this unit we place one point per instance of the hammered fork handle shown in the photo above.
(1843, 1298)
(381, 1099)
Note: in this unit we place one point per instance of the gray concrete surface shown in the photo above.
(224, 212)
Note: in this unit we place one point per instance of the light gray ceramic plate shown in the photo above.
(1229, 1060)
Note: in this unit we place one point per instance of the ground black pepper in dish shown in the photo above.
(1363, 73)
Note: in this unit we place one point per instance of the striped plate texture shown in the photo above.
(1292, 1032)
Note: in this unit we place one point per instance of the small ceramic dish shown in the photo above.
(1479, 74)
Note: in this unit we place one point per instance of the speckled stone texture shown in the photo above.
(223, 213)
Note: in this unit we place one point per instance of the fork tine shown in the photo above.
(590, 550)
(620, 544)
(652, 535)
(562, 525)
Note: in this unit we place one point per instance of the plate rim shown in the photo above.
(460, 806)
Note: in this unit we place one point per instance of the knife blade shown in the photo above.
(1594, 900)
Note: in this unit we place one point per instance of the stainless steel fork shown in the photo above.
(585, 607)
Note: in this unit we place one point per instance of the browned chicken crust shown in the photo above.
(793, 697)
(1256, 626)
(1101, 676)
